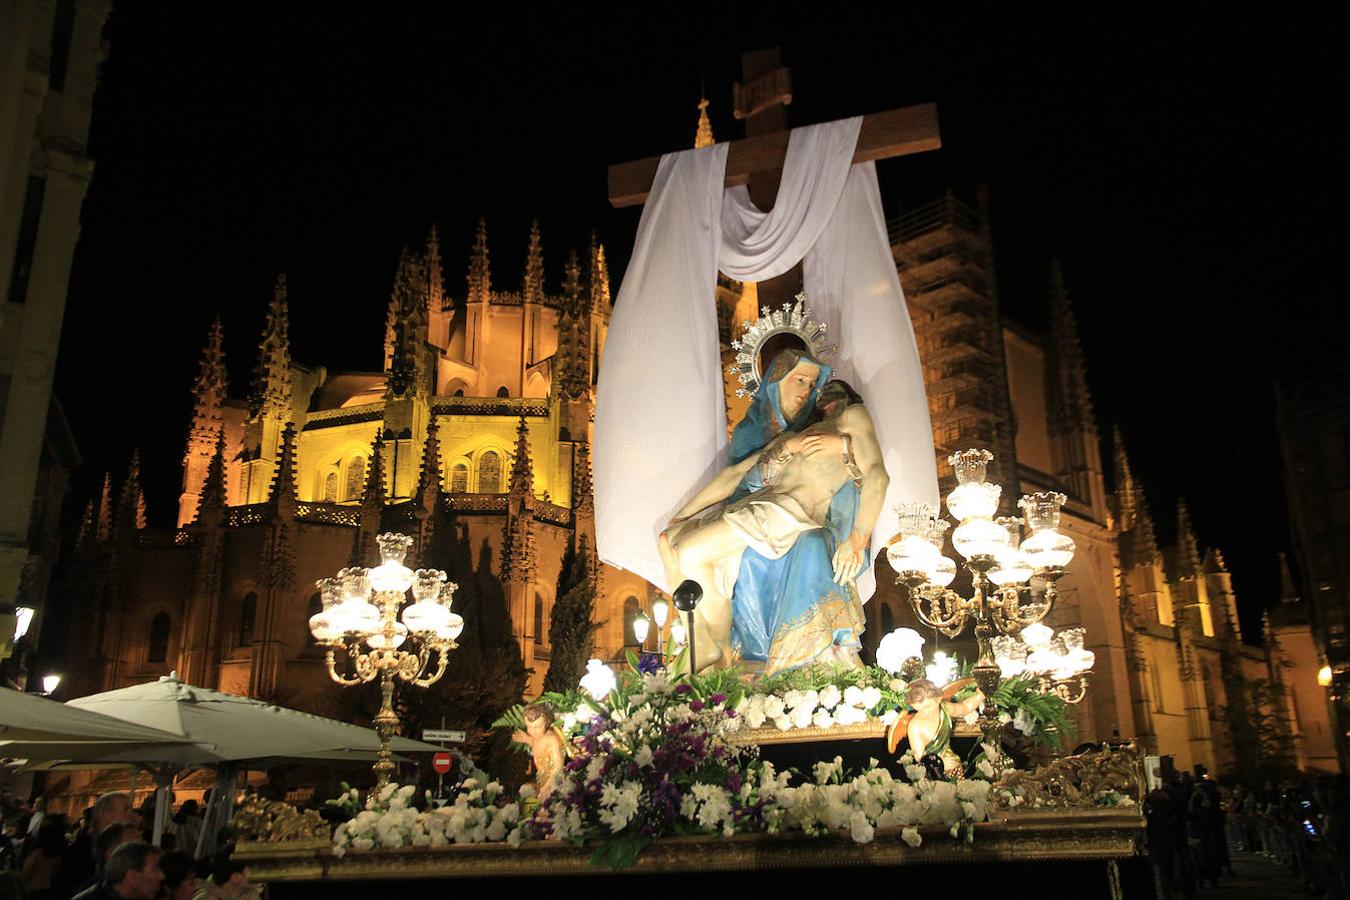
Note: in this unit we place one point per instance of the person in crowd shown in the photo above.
(187, 826)
(180, 876)
(39, 868)
(132, 873)
(228, 881)
(79, 867)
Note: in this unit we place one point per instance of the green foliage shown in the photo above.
(1261, 737)
(571, 629)
(1050, 712)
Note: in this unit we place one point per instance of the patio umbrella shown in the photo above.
(35, 728)
(236, 730)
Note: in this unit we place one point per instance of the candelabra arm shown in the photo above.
(330, 659)
(443, 657)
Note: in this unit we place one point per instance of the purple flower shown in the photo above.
(717, 698)
(731, 713)
(682, 688)
(733, 782)
(649, 663)
(696, 706)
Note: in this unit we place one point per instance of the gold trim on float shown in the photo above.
(1012, 837)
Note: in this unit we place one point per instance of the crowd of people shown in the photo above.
(107, 854)
(1194, 824)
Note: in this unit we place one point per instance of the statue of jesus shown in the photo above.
(824, 484)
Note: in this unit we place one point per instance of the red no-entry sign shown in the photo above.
(441, 762)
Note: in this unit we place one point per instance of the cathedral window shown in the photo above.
(538, 619)
(330, 488)
(503, 392)
(356, 478)
(159, 638)
(459, 478)
(248, 613)
(459, 392)
(489, 473)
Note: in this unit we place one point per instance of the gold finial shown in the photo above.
(704, 136)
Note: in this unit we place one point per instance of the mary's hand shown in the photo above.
(811, 444)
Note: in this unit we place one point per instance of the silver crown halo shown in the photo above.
(792, 318)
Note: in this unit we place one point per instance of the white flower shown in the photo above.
(363, 844)
(916, 773)
(860, 828)
(822, 719)
(569, 721)
(849, 715)
(889, 717)
(853, 695)
(984, 768)
(871, 696)
(643, 756)
(972, 717)
(830, 697)
(782, 723)
(754, 716)
(801, 716)
(911, 836)
(773, 707)
(593, 769)
(585, 712)
(657, 684)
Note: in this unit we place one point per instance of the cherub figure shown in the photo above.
(928, 726)
(545, 741)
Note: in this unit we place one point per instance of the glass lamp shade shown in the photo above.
(679, 632)
(942, 670)
(641, 626)
(50, 683)
(1042, 660)
(913, 555)
(425, 615)
(392, 577)
(355, 582)
(452, 629)
(979, 537)
(1324, 678)
(976, 499)
(660, 611)
(1012, 569)
(393, 547)
(377, 641)
(1073, 639)
(969, 465)
(354, 617)
(944, 573)
(321, 626)
(1037, 636)
(1042, 509)
(599, 680)
(426, 585)
(1048, 549)
(898, 646)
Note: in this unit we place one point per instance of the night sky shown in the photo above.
(1187, 174)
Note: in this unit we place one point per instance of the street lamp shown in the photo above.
(50, 683)
(361, 609)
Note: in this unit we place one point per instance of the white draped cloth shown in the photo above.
(660, 417)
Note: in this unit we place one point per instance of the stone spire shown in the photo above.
(212, 502)
(1070, 402)
(282, 492)
(209, 391)
(372, 506)
(533, 290)
(429, 479)
(1288, 593)
(1214, 564)
(405, 327)
(270, 396)
(583, 492)
(480, 274)
(703, 137)
(1136, 524)
(599, 279)
(104, 529)
(1188, 550)
(436, 299)
(128, 512)
(522, 471)
(572, 360)
(88, 532)
(1125, 486)
(374, 494)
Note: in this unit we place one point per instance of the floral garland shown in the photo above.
(390, 821)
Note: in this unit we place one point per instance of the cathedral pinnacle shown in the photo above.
(270, 396)
(1214, 564)
(1124, 482)
(533, 291)
(703, 137)
(104, 530)
(373, 496)
(1070, 402)
(88, 528)
(1288, 593)
(1188, 550)
(282, 495)
(599, 279)
(213, 488)
(583, 491)
(436, 299)
(406, 327)
(522, 472)
(480, 275)
(429, 484)
(130, 512)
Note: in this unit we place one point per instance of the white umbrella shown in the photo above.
(35, 728)
(235, 729)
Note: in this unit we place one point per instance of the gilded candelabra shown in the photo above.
(360, 620)
(1000, 563)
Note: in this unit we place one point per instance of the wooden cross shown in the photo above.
(757, 159)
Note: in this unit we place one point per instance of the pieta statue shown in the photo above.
(777, 538)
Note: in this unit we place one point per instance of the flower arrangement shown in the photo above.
(390, 819)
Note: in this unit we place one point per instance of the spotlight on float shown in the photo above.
(686, 598)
